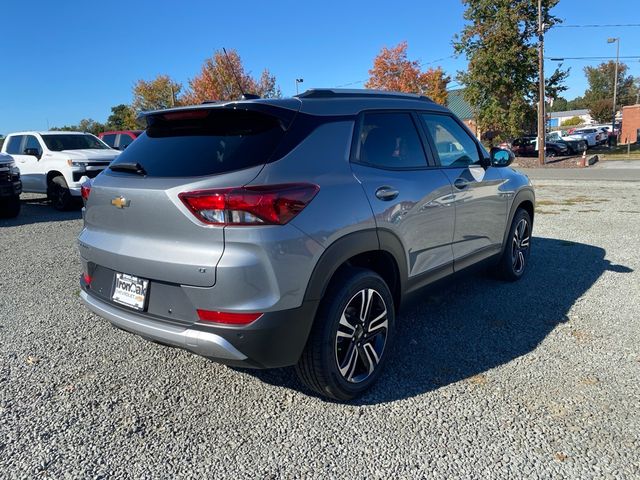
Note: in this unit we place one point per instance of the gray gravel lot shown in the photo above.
(537, 379)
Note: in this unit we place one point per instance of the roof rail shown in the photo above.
(359, 93)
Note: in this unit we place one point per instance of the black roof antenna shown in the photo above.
(245, 96)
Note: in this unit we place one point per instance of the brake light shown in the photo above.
(186, 115)
(87, 278)
(253, 205)
(85, 190)
(228, 317)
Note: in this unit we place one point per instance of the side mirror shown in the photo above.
(501, 157)
(34, 152)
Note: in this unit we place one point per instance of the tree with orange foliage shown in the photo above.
(392, 70)
(224, 78)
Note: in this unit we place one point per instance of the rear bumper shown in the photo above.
(274, 340)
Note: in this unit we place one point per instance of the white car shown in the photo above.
(57, 163)
(590, 135)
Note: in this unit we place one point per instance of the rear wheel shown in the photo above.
(351, 336)
(59, 194)
(10, 207)
(515, 257)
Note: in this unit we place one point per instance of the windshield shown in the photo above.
(72, 141)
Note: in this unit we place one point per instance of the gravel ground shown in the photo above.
(537, 379)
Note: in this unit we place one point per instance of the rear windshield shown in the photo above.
(204, 142)
(73, 141)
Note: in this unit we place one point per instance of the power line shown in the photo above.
(559, 58)
(599, 26)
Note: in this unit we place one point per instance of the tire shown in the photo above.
(10, 207)
(345, 354)
(59, 194)
(515, 257)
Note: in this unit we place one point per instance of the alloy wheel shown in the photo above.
(361, 336)
(520, 245)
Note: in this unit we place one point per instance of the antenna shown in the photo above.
(235, 74)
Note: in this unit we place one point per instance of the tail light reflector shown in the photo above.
(87, 278)
(253, 205)
(228, 317)
(85, 190)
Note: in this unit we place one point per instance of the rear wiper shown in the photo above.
(128, 167)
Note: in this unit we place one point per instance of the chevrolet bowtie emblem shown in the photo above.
(120, 202)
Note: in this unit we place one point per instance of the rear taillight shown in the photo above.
(87, 278)
(228, 317)
(259, 205)
(85, 190)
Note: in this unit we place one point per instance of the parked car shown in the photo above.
(273, 232)
(10, 187)
(590, 135)
(603, 134)
(574, 146)
(120, 139)
(528, 146)
(57, 163)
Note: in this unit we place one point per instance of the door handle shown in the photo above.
(460, 184)
(387, 193)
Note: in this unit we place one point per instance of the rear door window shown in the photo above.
(204, 142)
(13, 147)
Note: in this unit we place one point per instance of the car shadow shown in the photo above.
(37, 209)
(474, 323)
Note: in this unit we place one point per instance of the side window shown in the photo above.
(390, 140)
(13, 147)
(455, 146)
(32, 142)
(125, 140)
(110, 139)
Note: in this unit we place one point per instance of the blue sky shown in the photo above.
(63, 61)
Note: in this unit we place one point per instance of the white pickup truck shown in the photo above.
(57, 163)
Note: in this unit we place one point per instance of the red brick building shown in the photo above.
(630, 124)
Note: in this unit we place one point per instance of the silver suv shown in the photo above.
(268, 233)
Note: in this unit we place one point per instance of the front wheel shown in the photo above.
(515, 257)
(351, 336)
(59, 194)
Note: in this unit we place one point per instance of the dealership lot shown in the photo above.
(533, 378)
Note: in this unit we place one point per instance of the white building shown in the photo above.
(556, 119)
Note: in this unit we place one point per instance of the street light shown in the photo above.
(615, 81)
(298, 81)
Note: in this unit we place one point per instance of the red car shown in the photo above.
(120, 139)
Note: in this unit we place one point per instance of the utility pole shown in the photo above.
(615, 81)
(541, 89)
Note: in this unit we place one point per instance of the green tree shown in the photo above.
(85, 125)
(161, 92)
(122, 117)
(602, 110)
(500, 43)
(601, 84)
(572, 122)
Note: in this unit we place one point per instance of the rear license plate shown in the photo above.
(130, 291)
